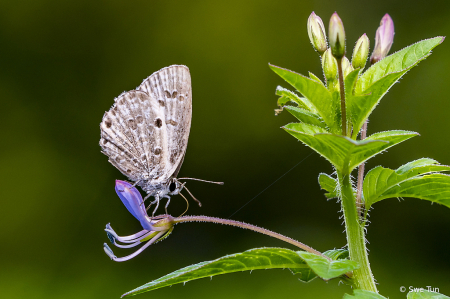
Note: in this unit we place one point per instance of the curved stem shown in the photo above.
(250, 227)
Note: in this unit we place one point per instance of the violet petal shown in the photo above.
(133, 201)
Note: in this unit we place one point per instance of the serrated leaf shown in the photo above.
(325, 268)
(253, 259)
(343, 152)
(398, 61)
(293, 97)
(426, 295)
(315, 92)
(363, 294)
(418, 179)
(373, 84)
(328, 184)
(305, 116)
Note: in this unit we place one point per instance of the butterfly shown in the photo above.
(145, 133)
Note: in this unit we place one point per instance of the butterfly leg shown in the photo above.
(157, 205)
(167, 204)
(145, 198)
(137, 182)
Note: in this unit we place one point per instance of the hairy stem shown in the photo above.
(359, 187)
(362, 277)
(250, 227)
(342, 92)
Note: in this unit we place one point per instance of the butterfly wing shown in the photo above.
(171, 87)
(131, 136)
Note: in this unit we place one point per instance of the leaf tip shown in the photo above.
(442, 39)
(273, 66)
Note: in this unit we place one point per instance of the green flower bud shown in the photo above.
(347, 67)
(361, 52)
(336, 35)
(330, 67)
(316, 33)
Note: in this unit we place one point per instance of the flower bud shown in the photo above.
(347, 67)
(361, 52)
(383, 39)
(316, 33)
(330, 67)
(336, 35)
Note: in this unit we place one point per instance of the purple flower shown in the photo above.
(154, 229)
(383, 39)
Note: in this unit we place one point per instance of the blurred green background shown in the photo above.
(63, 63)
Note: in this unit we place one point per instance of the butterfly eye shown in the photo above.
(172, 186)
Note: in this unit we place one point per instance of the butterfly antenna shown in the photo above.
(187, 202)
(218, 183)
(198, 201)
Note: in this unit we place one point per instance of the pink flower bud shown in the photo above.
(383, 39)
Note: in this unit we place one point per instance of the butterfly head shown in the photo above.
(174, 186)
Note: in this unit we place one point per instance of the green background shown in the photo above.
(63, 62)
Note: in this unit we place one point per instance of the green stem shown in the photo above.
(342, 92)
(362, 277)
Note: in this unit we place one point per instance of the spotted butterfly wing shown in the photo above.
(146, 131)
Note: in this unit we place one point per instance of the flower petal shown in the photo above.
(110, 253)
(133, 201)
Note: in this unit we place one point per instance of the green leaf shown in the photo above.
(399, 61)
(363, 294)
(328, 184)
(359, 106)
(305, 116)
(288, 95)
(303, 128)
(283, 100)
(253, 259)
(315, 78)
(343, 152)
(315, 92)
(350, 82)
(426, 295)
(417, 164)
(325, 268)
(420, 179)
(376, 81)
(336, 254)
